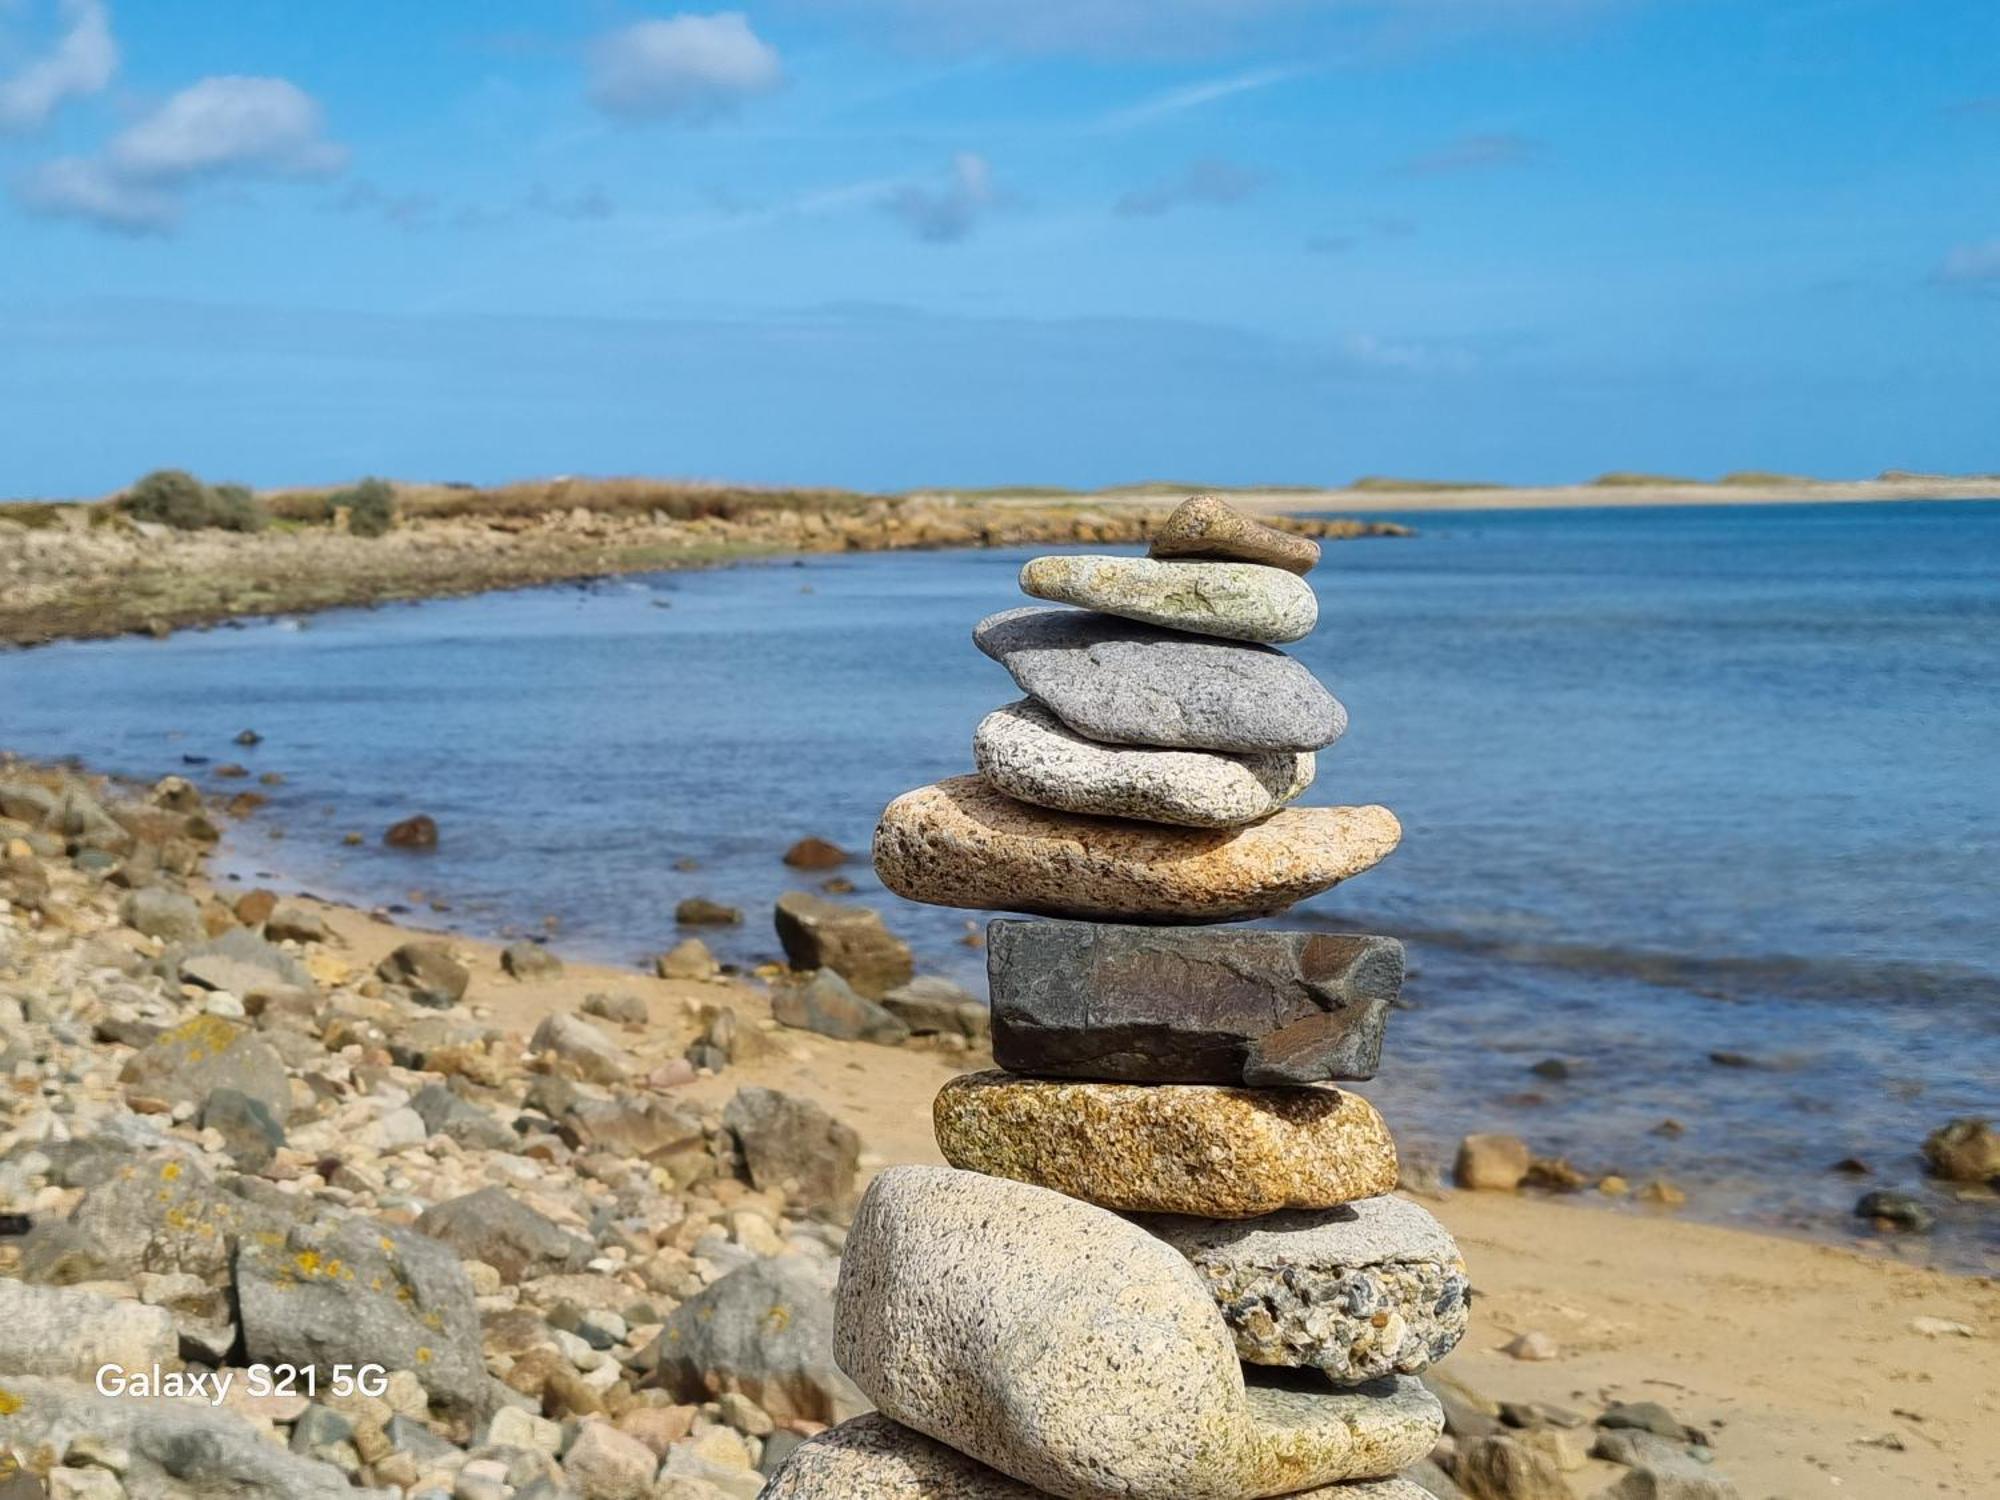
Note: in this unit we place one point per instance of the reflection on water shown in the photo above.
(1674, 783)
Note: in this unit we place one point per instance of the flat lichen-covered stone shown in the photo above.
(1071, 1351)
(1032, 756)
(1204, 526)
(1370, 1289)
(1125, 683)
(1218, 1153)
(961, 843)
(873, 1458)
(1234, 600)
(1137, 1004)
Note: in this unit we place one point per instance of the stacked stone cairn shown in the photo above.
(1164, 1263)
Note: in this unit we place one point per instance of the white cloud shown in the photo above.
(257, 125)
(1971, 265)
(948, 211)
(1194, 96)
(81, 61)
(218, 127)
(1220, 183)
(688, 67)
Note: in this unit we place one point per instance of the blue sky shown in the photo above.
(890, 243)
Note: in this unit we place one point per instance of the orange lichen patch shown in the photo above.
(9, 1402)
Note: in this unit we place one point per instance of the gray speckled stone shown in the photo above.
(1371, 1289)
(1031, 755)
(1069, 1349)
(1157, 1005)
(873, 1458)
(1125, 683)
(1237, 601)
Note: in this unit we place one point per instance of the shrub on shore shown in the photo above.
(174, 497)
(371, 507)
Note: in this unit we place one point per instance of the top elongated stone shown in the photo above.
(1205, 527)
(1126, 683)
(1237, 601)
(1173, 1005)
(1071, 1350)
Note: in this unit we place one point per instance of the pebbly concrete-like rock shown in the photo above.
(1233, 600)
(1157, 1005)
(1032, 756)
(1070, 1350)
(961, 843)
(1370, 1289)
(1203, 526)
(1126, 683)
(70, 1333)
(873, 1458)
(850, 940)
(1219, 1153)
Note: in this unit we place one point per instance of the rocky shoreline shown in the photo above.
(88, 571)
(560, 1207)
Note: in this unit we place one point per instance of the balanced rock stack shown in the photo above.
(1164, 1263)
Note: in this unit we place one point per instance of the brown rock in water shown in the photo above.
(1966, 1150)
(1164, 1005)
(850, 940)
(816, 854)
(960, 843)
(420, 832)
(1206, 527)
(1491, 1163)
(1218, 1153)
(699, 911)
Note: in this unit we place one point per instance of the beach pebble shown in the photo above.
(1031, 755)
(1236, 601)
(525, 960)
(1370, 1289)
(1203, 526)
(850, 940)
(961, 843)
(1491, 1163)
(1965, 1150)
(1126, 683)
(1534, 1345)
(873, 1458)
(687, 959)
(427, 973)
(825, 1003)
(1166, 1005)
(419, 832)
(1070, 1350)
(1217, 1153)
(1904, 1212)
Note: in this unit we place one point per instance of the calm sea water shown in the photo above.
(1674, 783)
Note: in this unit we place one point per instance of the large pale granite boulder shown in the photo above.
(873, 1458)
(1127, 683)
(1204, 526)
(1373, 1288)
(69, 1332)
(1219, 1153)
(1234, 600)
(1109, 1001)
(1069, 1349)
(1032, 756)
(961, 843)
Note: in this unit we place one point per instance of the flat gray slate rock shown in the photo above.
(873, 1458)
(1067, 1348)
(1124, 683)
(1238, 601)
(1371, 1289)
(1031, 755)
(1159, 1005)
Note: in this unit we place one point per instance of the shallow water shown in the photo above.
(1674, 782)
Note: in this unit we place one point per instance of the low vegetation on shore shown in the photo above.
(173, 552)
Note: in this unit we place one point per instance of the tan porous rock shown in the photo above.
(961, 843)
(1491, 1163)
(873, 1458)
(1217, 1153)
(1233, 600)
(1070, 1350)
(1204, 526)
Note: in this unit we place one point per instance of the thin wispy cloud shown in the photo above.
(1195, 96)
(225, 127)
(81, 59)
(1479, 152)
(1210, 181)
(946, 211)
(1975, 265)
(691, 69)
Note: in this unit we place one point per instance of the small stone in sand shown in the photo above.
(1532, 1345)
(1491, 1163)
